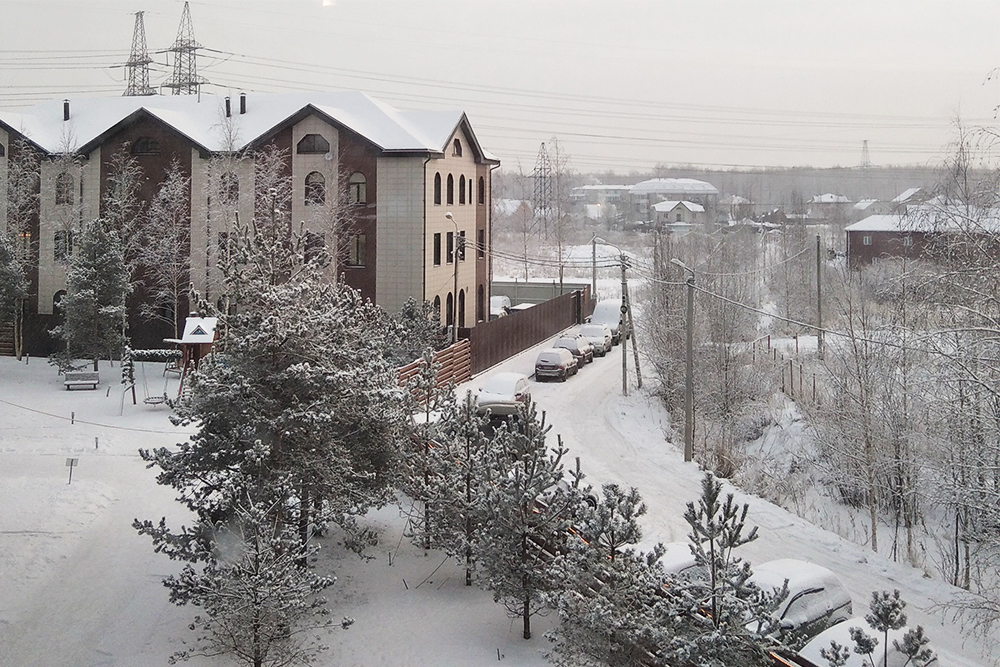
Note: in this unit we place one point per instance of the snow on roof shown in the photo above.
(677, 557)
(199, 329)
(508, 207)
(667, 206)
(905, 195)
(829, 198)
(602, 188)
(202, 118)
(674, 186)
(799, 573)
(864, 203)
(931, 219)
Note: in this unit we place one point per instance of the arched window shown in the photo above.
(450, 307)
(57, 300)
(315, 189)
(451, 189)
(470, 190)
(313, 144)
(357, 188)
(461, 308)
(480, 314)
(229, 188)
(3, 150)
(64, 188)
(145, 146)
(457, 148)
(437, 308)
(461, 189)
(482, 190)
(437, 188)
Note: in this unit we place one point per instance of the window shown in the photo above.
(907, 241)
(315, 189)
(461, 245)
(3, 150)
(680, 217)
(313, 144)
(461, 308)
(866, 240)
(64, 189)
(470, 190)
(145, 146)
(451, 247)
(227, 245)
(479, 303)
(63, 246)
(457, 148)
(437, 188)
(450, 307)
(481, 244)
(356, 250)
(461, 189)
(357, 188)
(451, 189)
(437, 307)
(482, 190)
(437, 249)
(229, 188)
(57, 300)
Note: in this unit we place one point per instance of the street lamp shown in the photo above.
(688, 365)
(454, 294)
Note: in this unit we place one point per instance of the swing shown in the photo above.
(152, 400)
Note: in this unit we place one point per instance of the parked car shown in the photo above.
(503, 394)
(555, 362)
(579, 346)
(841, 634)
(816, 597)
(599, 335)
(609, 312)
(499, 306)
(678, 559)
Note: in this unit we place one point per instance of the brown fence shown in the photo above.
(455, 365)
(492, 342)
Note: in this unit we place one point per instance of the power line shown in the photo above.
(89, 423)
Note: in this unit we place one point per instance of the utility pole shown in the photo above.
(593, 267)
(623, 327)
(688, 366)
(635, 343)
(185, 79)
(138, 62)
(819, 299)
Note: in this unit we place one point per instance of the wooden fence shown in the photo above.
(454, 365)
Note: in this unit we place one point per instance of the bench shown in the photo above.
(82, 379)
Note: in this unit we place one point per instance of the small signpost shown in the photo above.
(71, 463)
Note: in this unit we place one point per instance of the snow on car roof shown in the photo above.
(841, 633)
(800, 574)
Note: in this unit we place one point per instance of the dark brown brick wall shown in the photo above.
(359, 155)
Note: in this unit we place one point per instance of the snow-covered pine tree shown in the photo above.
(419, 329)
(164, 254)
(886, 613)
(730, 614)
(527, 514)
(259, 606)
(97, 284)
(22, 190)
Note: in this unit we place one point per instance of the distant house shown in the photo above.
(866, 207)
(911, 235)
(644, 195)
(667, 213)
(828, 207)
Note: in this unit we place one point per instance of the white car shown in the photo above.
(599, 335)
(816, 597)
(841, 633)
(609, 312)
(503, 394)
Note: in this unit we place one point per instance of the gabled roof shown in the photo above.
(862, 204)
(905, 195)
(202, 119)
(829, 198)
(667, 206)
(926, 219)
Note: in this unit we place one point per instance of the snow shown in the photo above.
(840, 633)
(78, 586)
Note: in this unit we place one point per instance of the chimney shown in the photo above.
(65, 109)
(228, 111)
(243, 103)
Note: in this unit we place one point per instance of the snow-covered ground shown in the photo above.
(79, 587)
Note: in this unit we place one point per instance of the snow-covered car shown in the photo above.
(499, 306)
(553, 362)
(599, 335)
(609, 312)
(578, 346)
(503, 394)
(841, 633)
(678, 559)
(816, 599)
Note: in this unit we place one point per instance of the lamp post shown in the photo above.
(593, 267)
(688, 365)
(454, 294)
(622, 322)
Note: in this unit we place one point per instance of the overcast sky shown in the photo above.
(622, 84)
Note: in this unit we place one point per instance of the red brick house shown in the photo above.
(402, 171)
